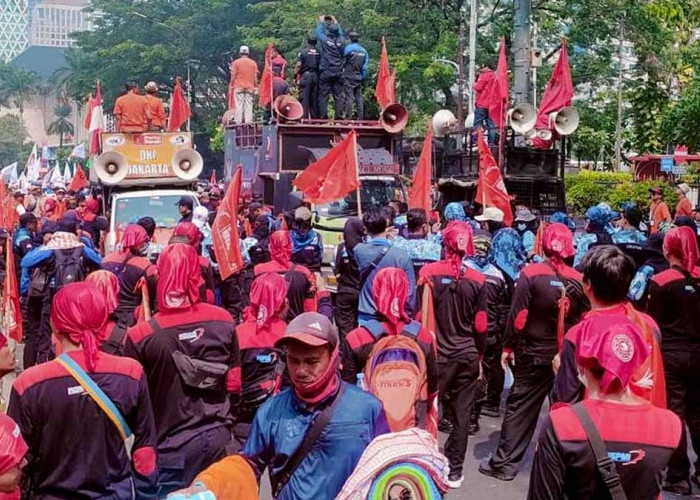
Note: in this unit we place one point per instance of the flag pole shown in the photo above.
(359, 185)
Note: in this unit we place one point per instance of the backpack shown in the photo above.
(264, 381)
(396, 374)
(69, 266)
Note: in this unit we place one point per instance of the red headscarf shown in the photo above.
(459, 243)
(50, 206)
(189, 231)
(13, 448)
(390, 291)
(179, 278)
(681, 243)
(108, 284)
(281, 248)
(79, 311)
(92, 206)
(558, 244)
(134, 237)
(267, 296)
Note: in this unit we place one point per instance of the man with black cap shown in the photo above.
(332, 38)
(306, 74)
(355, 71)
(185, 206)
(311, 435)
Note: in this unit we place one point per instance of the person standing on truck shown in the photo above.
(131, 110)
(332, 38)
(244, 75)
(355, 72)
(481, 108)
(155, 108)
(306, 74)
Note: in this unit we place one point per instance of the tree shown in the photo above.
(62, 125)
(17, 84)
(12, 137)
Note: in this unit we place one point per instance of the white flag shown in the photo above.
(78, 151)
(67, 176)
(9, 173)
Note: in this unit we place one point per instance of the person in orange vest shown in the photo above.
(155, 108)
(658, 209)
(684, 206)
(131, 110)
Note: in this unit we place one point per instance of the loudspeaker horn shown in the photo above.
(443, 122)
(288, 109)
(565, 121)
(187, 164)
(394, 118)
(111, 167)
(522, 118)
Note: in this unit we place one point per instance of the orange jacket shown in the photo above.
(156, 111)
(131, 111)
(658, 213)
(231, 478)
(684, 207)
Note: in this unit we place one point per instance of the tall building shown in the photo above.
(53, 21)
(14, 28)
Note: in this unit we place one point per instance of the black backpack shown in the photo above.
(69, 266)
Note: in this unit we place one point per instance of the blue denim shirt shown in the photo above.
(279, 428)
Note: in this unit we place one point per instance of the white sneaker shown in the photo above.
(455, 483)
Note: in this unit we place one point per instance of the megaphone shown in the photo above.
(187, 164)
(443, 122)
(565, 121)
(394, 118)
(111, 167)
(522, 118)
(288, 109)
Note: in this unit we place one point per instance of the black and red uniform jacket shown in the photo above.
(461, 315)
(75, 450)
(675, 306)
(203, 332)
(639, 439)
(129, 271)
(532, 323)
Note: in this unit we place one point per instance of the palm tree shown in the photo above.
(61, 125)
(16, 86)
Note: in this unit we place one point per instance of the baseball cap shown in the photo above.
(200, 216)
(185, 201)
(255, 206)
(656, 190)
(491, 213)
(244, 50)
(310, 328)
(302, 213)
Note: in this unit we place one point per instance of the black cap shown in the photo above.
(49, 227)
(185, 201)
(255, 206)
(18, 194)
(68, 224)
(27, 218)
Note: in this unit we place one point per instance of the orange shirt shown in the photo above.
(131, 111)
(684, 207)
(658, 213)
(244, 73)
(156, 110)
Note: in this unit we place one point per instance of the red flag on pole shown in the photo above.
(265, 97)
(88, 111)
(422, 177)
(179, 108)
(334, 176)
(212, 180)
(385, 91)
(6, 218)
(12, 316)
(491, 190)
(224, 231)
(498, 102)
(79, 180)
(97, 121)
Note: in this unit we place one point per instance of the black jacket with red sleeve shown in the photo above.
(129, 271)
(201, 332)
(75, 450)
(639, 439)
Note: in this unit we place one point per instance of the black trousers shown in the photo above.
(682, 369)
(234, 297)
(494, 375)
(533, 381)
(459, 377)
(308, 93)
(330, 84)
(353, 95)
(37, 337)
(346, 303)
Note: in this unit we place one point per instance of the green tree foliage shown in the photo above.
(12, 137)
(62, 125)
(17, 85)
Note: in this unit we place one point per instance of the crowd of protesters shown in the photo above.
(151, 377)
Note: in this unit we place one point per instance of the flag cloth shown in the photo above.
(265, 93)
(385, 91)
(558, 94)
(79, 180)
(97, 122)
(88, 111)
(212, 180)
(6, 209)
(78, 151)
(9, 173)
(67, 175)
(12, 316)
(334, 176)
(498, 91)
(422, 177)
(180, 110)
(224, 231)
(490, 189)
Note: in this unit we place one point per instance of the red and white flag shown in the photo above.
(11, 313)
(422, 177)
(224, 231)
(97, 121)
(491, 190)
(180, 110)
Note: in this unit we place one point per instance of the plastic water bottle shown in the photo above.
(639, 283)
(508, 379)
(361, 381)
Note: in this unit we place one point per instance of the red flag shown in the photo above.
(212, 180)
(558, 94)
(491, 190)
(385, 90)
(224, 231)
(334, 176)
(179, 109)
(88, 111)
(12, 316)
(422, 177)
(265, 97)
(79, 180)
(97, 121)
(498, 91)
(6, 218)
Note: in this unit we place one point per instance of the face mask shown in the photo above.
(522, 227)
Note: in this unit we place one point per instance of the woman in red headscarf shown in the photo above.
(186, 232)
(190, 353)
(114, 335)
(50, 210)
(136, 275)
(89, 218)
(674, 302)
(58, 408)
(13, 449)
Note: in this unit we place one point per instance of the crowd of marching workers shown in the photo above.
(147, 376)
